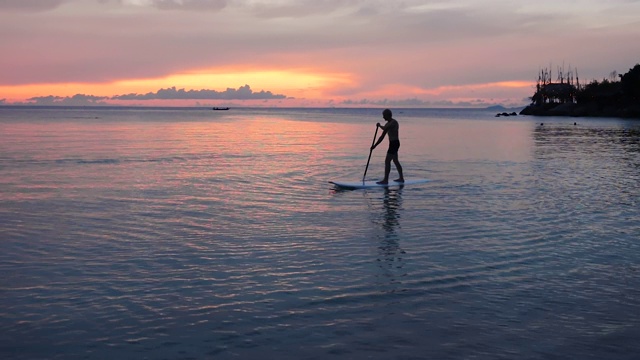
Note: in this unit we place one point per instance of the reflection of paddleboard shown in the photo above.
(372, 184)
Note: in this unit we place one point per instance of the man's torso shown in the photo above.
(393, 130)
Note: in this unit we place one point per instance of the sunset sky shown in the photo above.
(306, 52)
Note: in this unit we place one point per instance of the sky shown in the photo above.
(342, 53)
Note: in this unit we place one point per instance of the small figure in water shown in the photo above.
(391, 127)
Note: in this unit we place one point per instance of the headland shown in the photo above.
(617, 96)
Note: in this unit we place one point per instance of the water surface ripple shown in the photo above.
(171, 234)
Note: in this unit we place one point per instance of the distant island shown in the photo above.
(618, 96)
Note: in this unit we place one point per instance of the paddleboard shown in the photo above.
(373, 184)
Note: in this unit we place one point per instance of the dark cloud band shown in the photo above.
(242, 93)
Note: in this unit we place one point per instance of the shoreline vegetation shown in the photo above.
(617, 96)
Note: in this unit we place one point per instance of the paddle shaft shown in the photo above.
(370, 151)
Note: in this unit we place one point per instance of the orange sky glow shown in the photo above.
(293, 83)
(416, 53)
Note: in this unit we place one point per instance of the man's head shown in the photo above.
(386, 114)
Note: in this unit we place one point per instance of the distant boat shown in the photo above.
(220, 108)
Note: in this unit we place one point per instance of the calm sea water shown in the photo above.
(198, 234)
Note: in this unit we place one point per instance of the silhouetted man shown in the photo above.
(391, 127)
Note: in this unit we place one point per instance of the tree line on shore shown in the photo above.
(618, 96)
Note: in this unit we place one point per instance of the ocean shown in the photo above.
(186, 233)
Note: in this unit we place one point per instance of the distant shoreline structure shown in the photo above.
(618, 96)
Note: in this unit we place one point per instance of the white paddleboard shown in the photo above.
(373, 184)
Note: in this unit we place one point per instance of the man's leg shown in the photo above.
(396, 162)
(387, 166)
(387, 169)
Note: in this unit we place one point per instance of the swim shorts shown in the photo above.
(394, 145)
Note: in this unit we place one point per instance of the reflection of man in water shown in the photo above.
(390, 259)
(390, 220)
(391, 127)
(391, 206)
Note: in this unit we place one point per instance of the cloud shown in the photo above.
(242, 93)
(29, 5)
(76, 100)
(303, 8)
(196, 5)
(417, 103)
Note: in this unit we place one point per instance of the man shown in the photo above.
(391, 127)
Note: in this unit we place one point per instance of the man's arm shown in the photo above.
(385, 129)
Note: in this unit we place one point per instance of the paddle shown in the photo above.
(370, 151)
